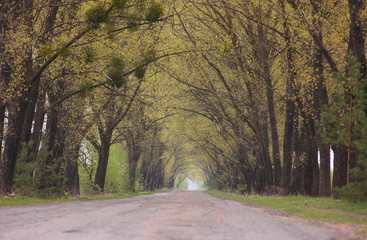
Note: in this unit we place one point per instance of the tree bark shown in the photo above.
(37, 133)
(16, 112)
(297, 169)
(103, 154)
(2, 123)
(265, 154)
(340, 176)
(290, 108)
(234, 177)
(273, 129)
(356, 33)
(30, 112)
(71, 170)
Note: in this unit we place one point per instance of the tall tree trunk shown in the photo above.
(133, 160)
(356, 46)
(273, 129)
(265, 154)
(2, 123)
(37, 133)
(356, 33)
(17, 105)
(311, 164)
(71, 170)
(320, 100)
(30, 112)
(245, 167)
(297, 169)
(234, 177)
(16, 112)
(290, 108)
(340, 176)
(103, 154)
(265, 64)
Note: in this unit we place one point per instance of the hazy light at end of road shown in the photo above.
(192, 185)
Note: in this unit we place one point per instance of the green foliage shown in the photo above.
(242, 187)
(46, 50)
(64, 52)
(26, 177)
(97, 15)
(85, 88)
(354, 192)
(346, 121)
(139, 185)
(182, 184)
(154, 12)
(213, 183)
(140, 73)
(88, 161)
(116, 176)
(116, 77)
(88, 54)
(117, 62)
(325, 209)
(119, 3)
(150, 56)
(132, 24)
(37, 179)
(22, 200)
(115, 72)
(52, 185)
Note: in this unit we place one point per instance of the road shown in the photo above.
(177, 215)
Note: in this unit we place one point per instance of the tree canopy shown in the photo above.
(256, 96)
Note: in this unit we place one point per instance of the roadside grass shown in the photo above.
(23, 200)
(324, 209)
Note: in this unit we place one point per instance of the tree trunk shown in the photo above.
(273, 130)
(297, 170)
(2, 122)
(16, 112)
(315, 170)
(30, 112)
(103, 155)
(265, 154)
(39, 119)
(132, 173)
(340, 176)
(234, 177)
(307, 178)
(71, 170)
(245, 167)
(325, 180)
(17, 105)
(289, 111)
(356, 33)
(311, 164)
(265, 63)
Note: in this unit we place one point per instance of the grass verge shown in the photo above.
(323, 209)
(22, 200)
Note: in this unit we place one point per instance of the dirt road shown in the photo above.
(174, 215)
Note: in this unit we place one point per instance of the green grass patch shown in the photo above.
(21, 200)
(324, 209)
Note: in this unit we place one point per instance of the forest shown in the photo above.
(256, 96)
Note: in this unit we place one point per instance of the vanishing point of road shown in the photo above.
(176, 215)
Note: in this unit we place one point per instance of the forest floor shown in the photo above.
(174, 215)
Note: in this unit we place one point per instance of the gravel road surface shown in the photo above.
(176, 215)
